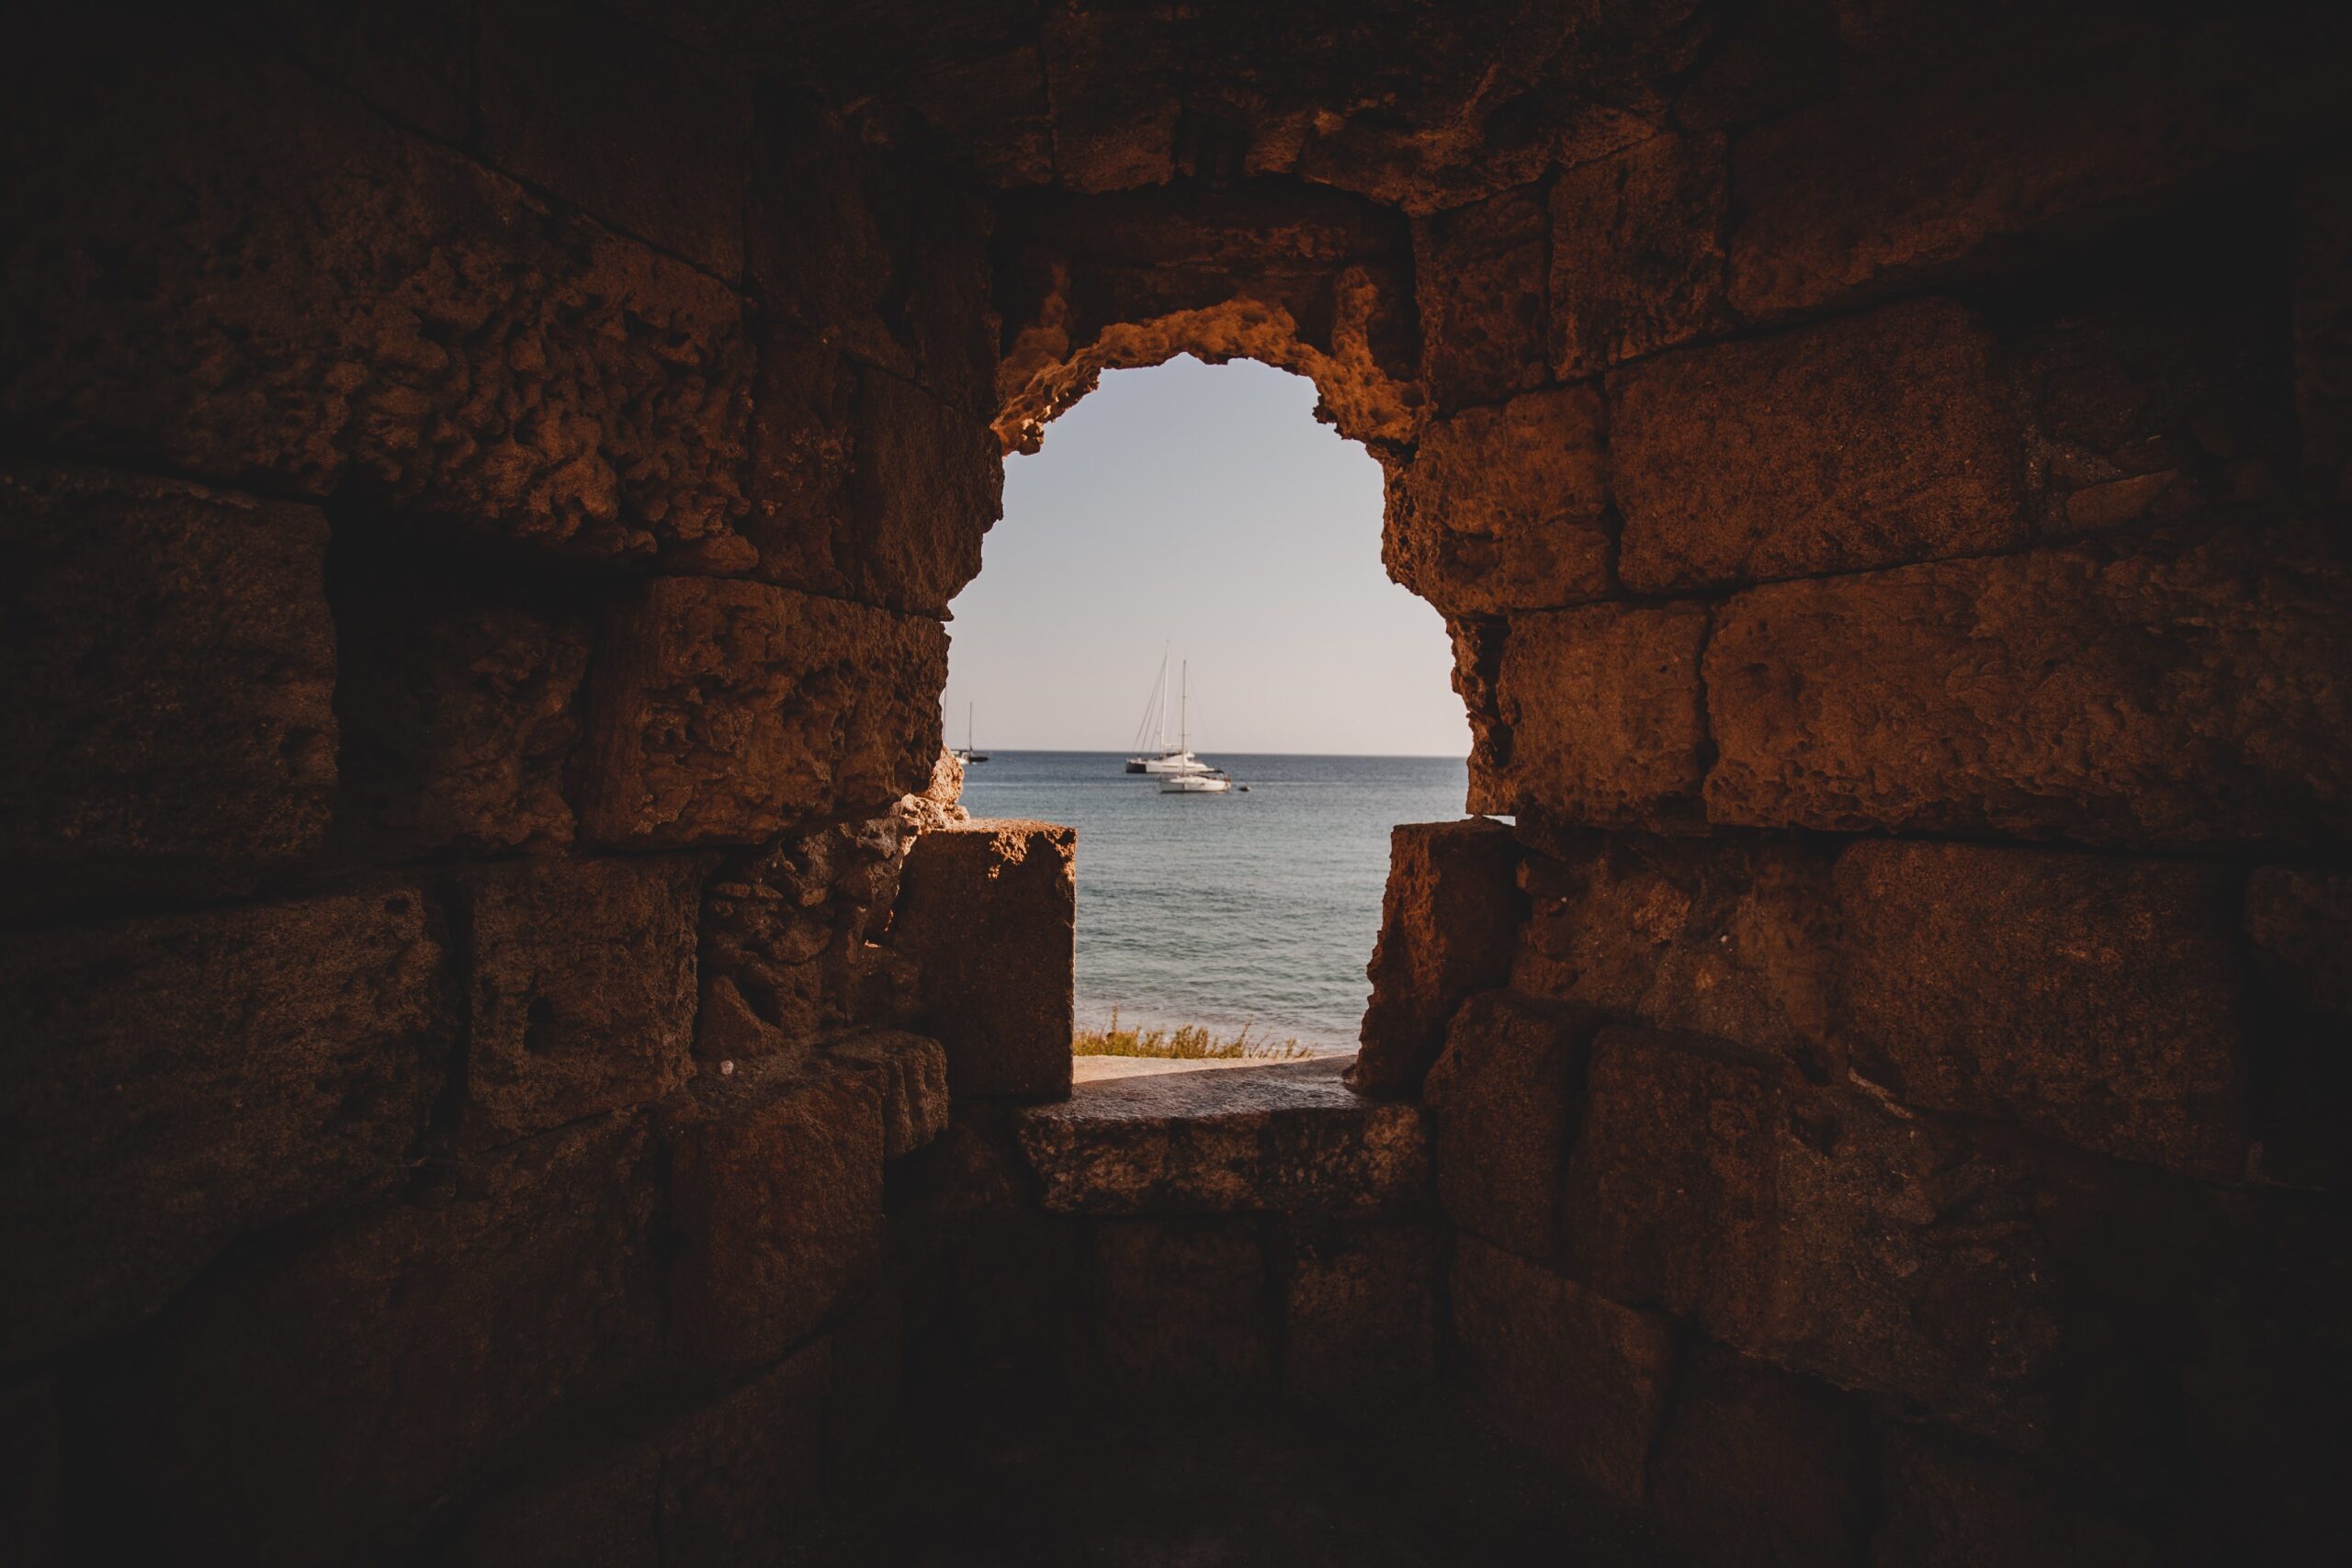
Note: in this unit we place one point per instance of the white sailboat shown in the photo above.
(966, 755)
(1200, 778)
(1153, 754)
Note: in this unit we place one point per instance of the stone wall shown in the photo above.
(483, 483)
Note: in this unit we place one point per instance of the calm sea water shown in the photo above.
(1257, 908)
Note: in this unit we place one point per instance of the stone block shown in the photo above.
(1359, 1311)
(776, 1192)
(173, 1084)
(1503, 1098)
(1480, 277)
(1502, 508)
(330, 1397)
(1115, 76)
(310, 297)
(1757, 1467)
(1572, 1373)
(2299, 934)
(2025, 137)
(1182, 1309)
(580, 986)
(174, 664)
(1447, 920)
(1669, 1198)
(1727, 936)
(911, 1077)
(929, 482)
(1864, 442)
(1288, 1136)
(2323, 327)
(2093, 1000)
(1637, 251)
(650, 138)
(1950, 1504)
(460, 713)
(2186, 691)
(729, 712)
(988, 909)
(1604, 708)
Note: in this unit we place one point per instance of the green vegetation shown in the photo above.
(1191, 1042)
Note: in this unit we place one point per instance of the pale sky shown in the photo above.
(1200, 507)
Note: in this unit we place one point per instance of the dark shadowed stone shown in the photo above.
(726, 712)
(580, 986)
(1864, 442)
(2187, 690)
(1287, 1136)
(2299, 927)
(168, 1085)
(172, 664)
(1637, 251)
(1760, 1467)
(989, 909)
(1603, 707)
(2323, 316)
(1446, 921)
(2094, 999)
(1359, 1309)
(414, 60)
(1502, 508)
(1479, 274)
(30, 1473)
(776, 1191)
(910, 1074)
(1570, 1372)
(1182, 1309)
(311, 297)
(650, 138)
(1950, 1504)
(1503, 1098)
(312, 1405)
(1724, 936)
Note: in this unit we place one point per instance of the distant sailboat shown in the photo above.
(1200, 778)
(1153, 754)
(967, 754)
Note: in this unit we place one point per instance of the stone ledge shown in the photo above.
(1282, 1137)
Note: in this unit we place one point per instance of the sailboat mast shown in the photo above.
(1164, 702)
(1185, 709)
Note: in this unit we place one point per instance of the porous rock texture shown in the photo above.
(514, 1052)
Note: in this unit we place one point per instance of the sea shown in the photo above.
(1252, 910)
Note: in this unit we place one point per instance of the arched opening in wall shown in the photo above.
(1197, 514)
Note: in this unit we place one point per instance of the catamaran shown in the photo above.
(967, 754)
(1157, 756)
(1200, 778)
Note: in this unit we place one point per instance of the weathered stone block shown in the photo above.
(580, 977)
(1447, 919)
(2299, 930)
(1286, 1136)
(1863, 442)
(459, 714)
(726, 712)
(1760, 1467)
(988, 909)
(1115, 78)
(1604, 709)
(174, 666)
(2323, 321)
(1182, 1309)
(2187, 690)
(173, 1083)
(1502, 508)
(1637, 251)
(2053, 129)
(2093, 1000)
(1359, 1311)
(649, 137)
(776, 1190)
(910, 1078)
(311, 296)
(328, 1399)
(1503, 1098)
(1949, 1504)
(929, 482)
(1725, 936)
(1579, 1377)
(1478, 273)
